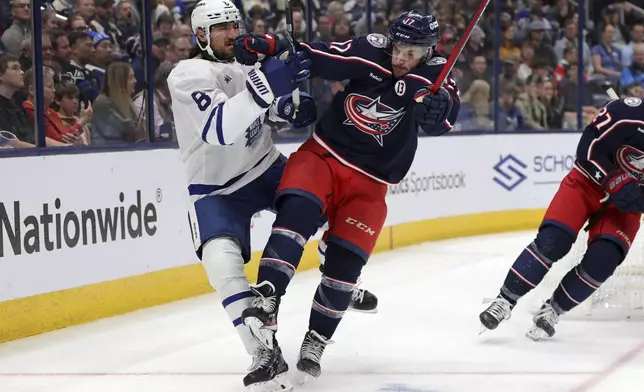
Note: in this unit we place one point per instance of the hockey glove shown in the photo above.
(433, 110)
(624, 191)
(248, 47)
(305, 115)
(277, 77)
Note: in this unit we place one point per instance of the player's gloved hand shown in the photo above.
(249, 47)
(277, 77)
(306, 112)
(434, 109)
(624, 191)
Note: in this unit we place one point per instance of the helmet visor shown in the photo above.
(402, 51)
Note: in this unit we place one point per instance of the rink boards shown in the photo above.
(95, 235)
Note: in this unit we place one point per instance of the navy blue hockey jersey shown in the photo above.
(619, 123)
(370, 125)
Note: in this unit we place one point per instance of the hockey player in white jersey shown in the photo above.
(232, 167)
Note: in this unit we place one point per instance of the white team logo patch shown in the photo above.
(437, 61)
(633, 102)
(400, 88)
(377, 40)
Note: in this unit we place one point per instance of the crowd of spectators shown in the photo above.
(94, 74)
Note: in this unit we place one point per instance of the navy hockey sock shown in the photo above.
(297, 220)
(332, 297)
(551, 244)
(600, 261)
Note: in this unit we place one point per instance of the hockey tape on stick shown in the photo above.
(605, 202)
(451, 60)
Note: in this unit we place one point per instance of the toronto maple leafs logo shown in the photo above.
(631, 160)
(253, 132)
(371, 116)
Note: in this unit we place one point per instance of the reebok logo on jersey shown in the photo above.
(378, 78)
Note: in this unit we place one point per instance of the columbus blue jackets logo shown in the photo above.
(631, 160)
(371, 116)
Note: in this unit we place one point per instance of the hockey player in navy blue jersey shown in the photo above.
(365, 141)
(608, 169)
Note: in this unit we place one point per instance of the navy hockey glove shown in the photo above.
(277, 77)
(434, 109)
(306, 113)
(248, 47)
(624, 191)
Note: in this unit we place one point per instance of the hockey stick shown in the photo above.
(291, 40)
(451, 60)
(594, 218)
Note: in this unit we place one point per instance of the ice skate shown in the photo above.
(363, 301)
(500, 310)
(544, 323)
(261, 318)
(310, 355)
(268, 372)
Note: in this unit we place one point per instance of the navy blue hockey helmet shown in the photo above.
(416, 29)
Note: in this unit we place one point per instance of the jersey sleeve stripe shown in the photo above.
(220, 134)
(602, 136)
(347, 58)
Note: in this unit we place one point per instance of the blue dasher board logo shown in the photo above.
(510, 172)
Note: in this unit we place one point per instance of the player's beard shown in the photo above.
(227, 53)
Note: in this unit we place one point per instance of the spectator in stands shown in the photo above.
(178, 50)
(508, 46)
(82, 50)
(87, 9)
(510, 115)
(103, 22)
(27, 50)
(637, 36)
(323, 33)
(542, 48)
(13, 117)
(510, 75)
(477, 99)
(159, 51)
(126, 20)
(49, 21)
(61, 48)
(183, 31)
(103, 51)
(66, 98)
(164, 26)
(554, 110)
(163, 117)
(57, 134)
(619, 34)
(476, 71)
(533, 110)
(341, 30)
(115, 120)
(63, 7)
(258, 26)
(569, 55)
(77, 23)
(527, 58)
(607, 58)
(474, 46)
(20, 29)
(635, 72)
(635, 90)
(570, 39)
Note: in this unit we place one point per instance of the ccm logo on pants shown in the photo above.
(360, 226)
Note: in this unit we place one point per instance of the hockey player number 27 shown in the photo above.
(602, 119)
(201, 99)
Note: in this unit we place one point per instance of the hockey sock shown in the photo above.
(333, 295)
(600, 261)
(297, 220)
(551, 244)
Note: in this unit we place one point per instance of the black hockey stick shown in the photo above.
(291, 40)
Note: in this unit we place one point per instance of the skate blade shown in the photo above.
(482, 330)
(536, 334)
(262, 334)
(301, 378)
(372, 311)
(280, 383)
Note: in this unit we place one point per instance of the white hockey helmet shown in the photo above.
(212, 12)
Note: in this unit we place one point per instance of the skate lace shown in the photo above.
(260, 359)
(358, 294)
(312, 349)
(500, 309)
(547, 313)
(267, 304)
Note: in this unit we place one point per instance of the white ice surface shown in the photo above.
(424, 339)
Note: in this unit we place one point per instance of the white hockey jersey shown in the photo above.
(219, 127)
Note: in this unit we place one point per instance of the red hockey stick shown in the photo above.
(451, 60)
